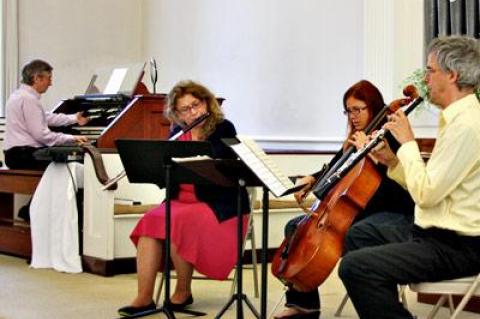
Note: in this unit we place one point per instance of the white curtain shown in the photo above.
(54, 219)
(10, 81)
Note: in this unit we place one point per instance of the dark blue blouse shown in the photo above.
(222, 200)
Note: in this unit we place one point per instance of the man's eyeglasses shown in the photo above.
(189, 108)
(354, 110)
(429, 70)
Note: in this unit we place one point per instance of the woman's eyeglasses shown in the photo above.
(354, 110)
(189, 108)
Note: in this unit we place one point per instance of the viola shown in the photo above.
(307, 257)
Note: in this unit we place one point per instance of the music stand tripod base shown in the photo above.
(239, 296)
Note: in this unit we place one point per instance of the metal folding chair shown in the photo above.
(468, 287)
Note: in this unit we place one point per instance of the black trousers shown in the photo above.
(21, 157)
(383, 220)
(382, 256)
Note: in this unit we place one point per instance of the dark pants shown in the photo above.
(384, 220)
(381, 256)
(21, 157)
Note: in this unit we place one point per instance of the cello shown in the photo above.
(307, 257)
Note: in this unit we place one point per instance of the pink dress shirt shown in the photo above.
(27, 122)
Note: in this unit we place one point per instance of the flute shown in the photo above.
(184, 130)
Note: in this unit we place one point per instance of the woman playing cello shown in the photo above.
(390, 204)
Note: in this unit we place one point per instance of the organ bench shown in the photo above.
(15, 236)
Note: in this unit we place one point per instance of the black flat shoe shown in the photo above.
(131, 310)
(302, 315)
(180, 306)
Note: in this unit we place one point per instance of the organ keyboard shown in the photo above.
(114, 116)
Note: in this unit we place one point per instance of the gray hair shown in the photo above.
(34, 67)
(460, 54)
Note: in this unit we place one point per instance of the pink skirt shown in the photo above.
(196, 233)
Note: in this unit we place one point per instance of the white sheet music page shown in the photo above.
(265, 169)
(191, 158)
(115, 81)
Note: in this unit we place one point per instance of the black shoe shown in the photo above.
(24, 213)
(180, 306)
(302, 315)
(131, 310)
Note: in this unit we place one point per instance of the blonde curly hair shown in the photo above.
(200, 92)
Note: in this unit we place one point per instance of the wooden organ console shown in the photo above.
(116, 116)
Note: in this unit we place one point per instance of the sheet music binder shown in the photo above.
(262, 166)
(222, 172)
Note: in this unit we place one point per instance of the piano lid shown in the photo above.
(120, 80)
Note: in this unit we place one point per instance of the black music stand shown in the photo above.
(234, 173)
(150, 161)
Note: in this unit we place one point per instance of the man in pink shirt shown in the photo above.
(27, 123)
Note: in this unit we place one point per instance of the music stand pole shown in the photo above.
(239, 296)
(165, 307)
(166, 266)
(263, 300)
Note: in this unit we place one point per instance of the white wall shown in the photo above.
(394, 48)
(282, 65)
(78, 37)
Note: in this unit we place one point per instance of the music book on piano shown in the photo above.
(262, 165)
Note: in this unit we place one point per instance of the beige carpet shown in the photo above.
(36, 294)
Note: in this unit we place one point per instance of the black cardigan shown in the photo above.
(222, 200)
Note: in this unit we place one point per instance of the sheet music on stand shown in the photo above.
(262, 165)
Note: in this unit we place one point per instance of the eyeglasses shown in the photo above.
(189, 108)
(354, 110)
(430, 70)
